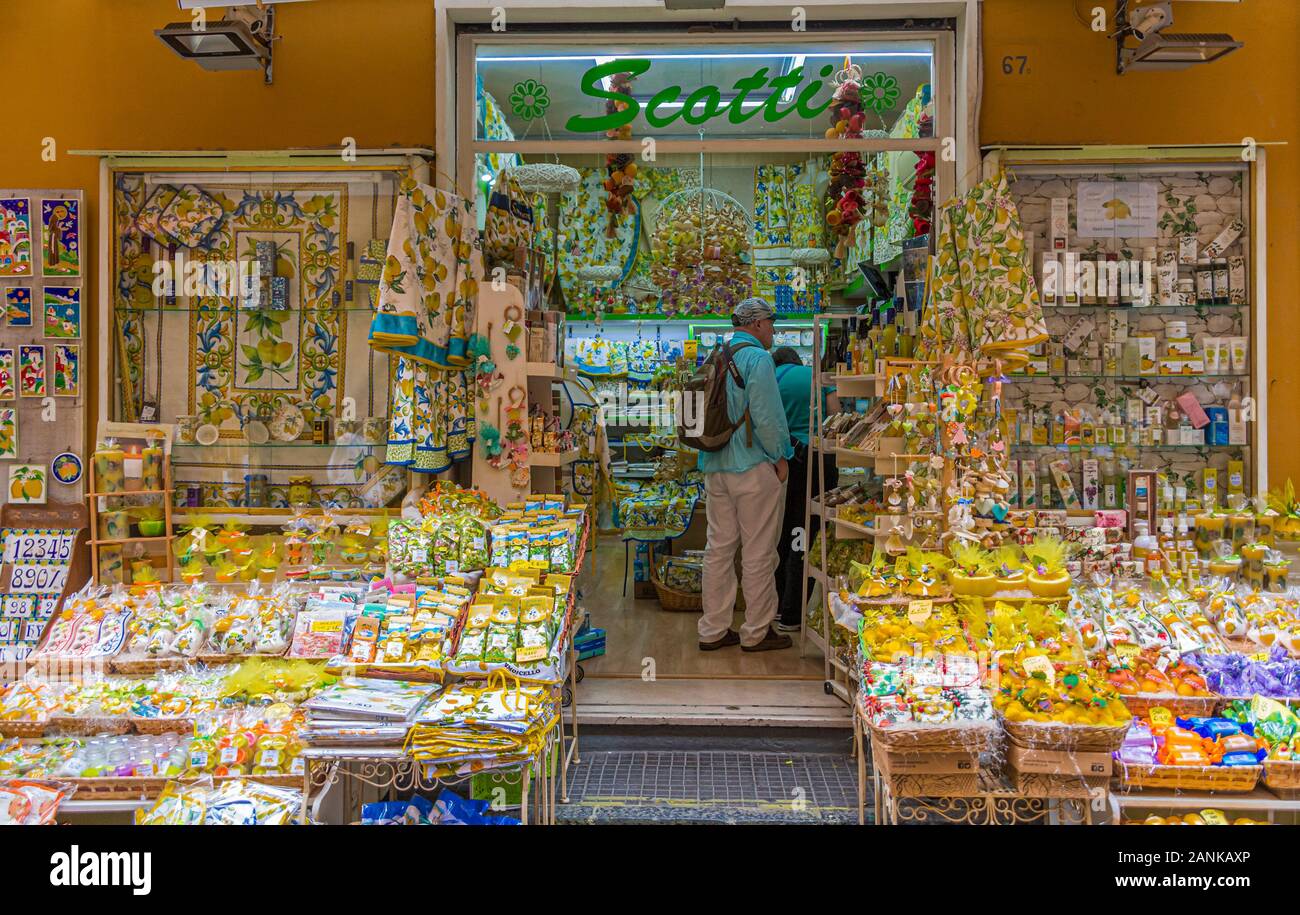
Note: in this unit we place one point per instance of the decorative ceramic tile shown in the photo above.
(27, 484)
(67, 369)
(63, 312)
(6, 374)
(18, 306)
(60, 238)
(15, 236)
(8, 434)
(31, 370)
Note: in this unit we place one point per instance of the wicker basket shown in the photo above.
(79, 725)
(163, 725)
(935, 738)
(131, 788)
(672, 598)
(1282, 777)
(1225, 779)
(1045, 735)
(22, 728)
(1179, 706)
(137, 667)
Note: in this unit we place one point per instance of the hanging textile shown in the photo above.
(425, 311)
(982, 299)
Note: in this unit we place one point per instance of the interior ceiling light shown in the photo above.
(241, 41)
(1157, 48)
(694, 4)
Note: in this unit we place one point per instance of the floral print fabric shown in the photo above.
(430, 280)
(983, 301)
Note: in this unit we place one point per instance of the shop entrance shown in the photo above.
(744, 129)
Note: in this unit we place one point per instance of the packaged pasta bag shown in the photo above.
(561, 545)
(538, 545)
(393, 644)
(502, 634)
(473, 640)
(536, 629)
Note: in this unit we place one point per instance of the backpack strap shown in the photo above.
(730, 349)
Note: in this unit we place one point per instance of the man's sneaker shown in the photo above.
(771, 642)
(732, 637)
(787, 627)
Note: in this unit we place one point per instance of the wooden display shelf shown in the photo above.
(547, 370)
(552, 459)
(129, 492)
(129, 540)
(96, 544)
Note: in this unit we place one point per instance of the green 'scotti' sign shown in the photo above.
(702, 105)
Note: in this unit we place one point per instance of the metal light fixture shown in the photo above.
(241, 41)
(694, 4)
(1158, 49)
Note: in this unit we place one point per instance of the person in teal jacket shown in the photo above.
(744, 493)
(795, 381)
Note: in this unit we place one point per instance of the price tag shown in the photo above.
(1127, 650)
(1259, 656)
(918, 611)
(417, 554)
(1214, 818)
(1160, 716)
(1040, 664)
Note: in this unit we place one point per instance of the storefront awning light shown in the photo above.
(240, 42)
(1165, 51)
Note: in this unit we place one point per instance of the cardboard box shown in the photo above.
(895, 763)
(1058, 762)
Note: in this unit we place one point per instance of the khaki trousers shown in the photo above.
(743, 509)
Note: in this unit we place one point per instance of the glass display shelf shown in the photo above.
(1129, 307)
(1062, 376)
(240, 443)
(211, 309)
(1132, 446)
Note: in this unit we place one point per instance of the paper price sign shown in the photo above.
(1160, 716)
(1039, 664)
(918, 611)
(26, 578)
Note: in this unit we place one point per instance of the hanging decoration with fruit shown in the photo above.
(856, 191)
(619, 200)
(701, 259)
(921, 208)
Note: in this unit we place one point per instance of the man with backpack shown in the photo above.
(744, 453)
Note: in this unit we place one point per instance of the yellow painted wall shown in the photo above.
(1071, 94)
(346, 68)
(364, 68)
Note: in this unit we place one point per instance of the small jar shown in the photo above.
(299, 491)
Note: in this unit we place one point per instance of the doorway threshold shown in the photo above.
(734, 702)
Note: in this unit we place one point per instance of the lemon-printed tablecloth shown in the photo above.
(982, 300)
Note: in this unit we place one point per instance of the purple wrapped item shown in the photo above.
(1139, 748)
(1237, 675)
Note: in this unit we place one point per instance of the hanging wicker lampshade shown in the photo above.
(545, 177)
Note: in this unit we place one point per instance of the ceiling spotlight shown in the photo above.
(1159, 49)
(240, 41)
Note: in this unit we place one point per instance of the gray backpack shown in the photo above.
(708, 387)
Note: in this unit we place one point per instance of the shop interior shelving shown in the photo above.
(1199, 192)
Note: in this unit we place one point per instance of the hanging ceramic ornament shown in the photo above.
(513, 326)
